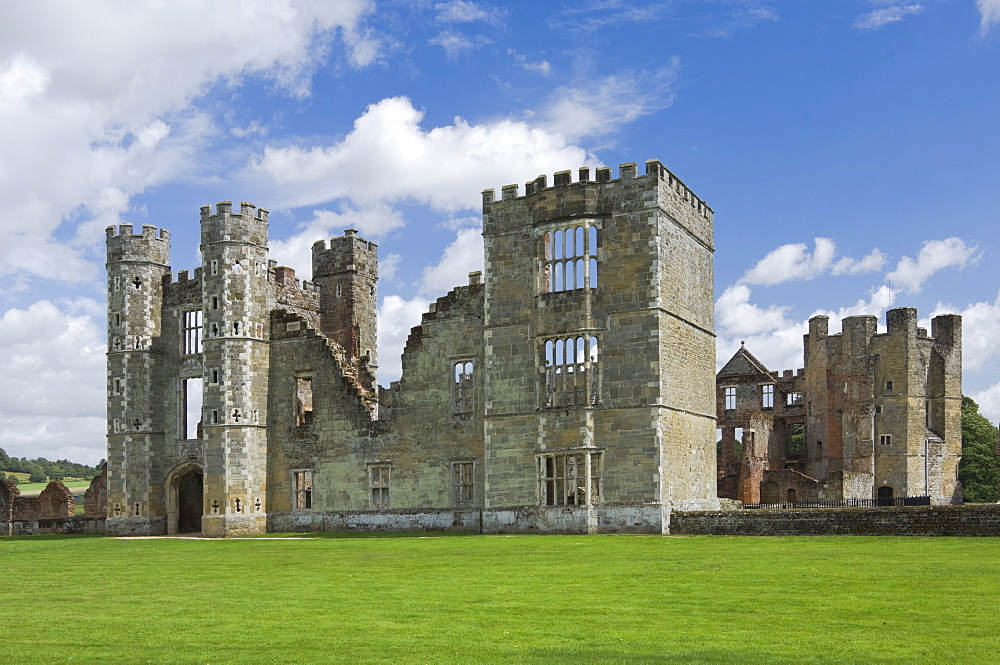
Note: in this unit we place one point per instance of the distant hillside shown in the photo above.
(40, 469)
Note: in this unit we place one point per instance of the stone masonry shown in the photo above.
(870, 416)
(567, 389)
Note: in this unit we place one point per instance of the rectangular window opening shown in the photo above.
(192, 332)
(571, 376)
(191, 405)
(730, 396)
(378, 485)
(462, 387)
(796, 441)
(304, 401)
(462, 483)
(885, 439)
(303, 489)
(794, 399)
(570, 258)
(570, 478)
(767, 396)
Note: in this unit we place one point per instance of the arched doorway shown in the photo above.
(884, 496)
(185, 499)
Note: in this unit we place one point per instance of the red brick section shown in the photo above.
(95, 501)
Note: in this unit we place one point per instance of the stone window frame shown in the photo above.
(888, 385)
(304, 417)
(560, 471)
(885, 439)
(767, 395)
(560, 257)
(558, 361)
(729, 397)
(795, 398)
(192, 321)
(800, 452)
(463, 482)
(379, 484)
(303, 482)
(184, 396)
(463, 385)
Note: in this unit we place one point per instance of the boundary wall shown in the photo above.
(969, 520)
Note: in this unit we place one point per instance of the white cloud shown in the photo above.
(371, 222)
(89, 101)
(396, 316)
(462, 256)
(543, 67)
(735, 315)
(989, 13)
(934, 255)
(988, 400)
(980, 322)
(385, 158)
(455, 43)
(792, 261)
(890, 11)
(601, 105)
(873, 262)
(460, 11)
(54, 367)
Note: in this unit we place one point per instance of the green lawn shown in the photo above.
(495, 599)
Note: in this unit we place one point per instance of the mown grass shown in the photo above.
(495, 599)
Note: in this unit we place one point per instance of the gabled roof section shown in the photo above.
(742, 363)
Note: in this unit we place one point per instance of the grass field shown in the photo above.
(496, 599)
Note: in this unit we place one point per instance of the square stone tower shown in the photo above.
(599, 350)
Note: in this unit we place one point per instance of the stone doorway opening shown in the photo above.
(186, 500)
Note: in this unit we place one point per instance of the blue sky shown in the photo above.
(850, 150)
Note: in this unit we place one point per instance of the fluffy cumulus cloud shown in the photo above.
(51, 398)
(980, 321)
(988, 400)
(872, 262)
(885, 12)
(934, 255)
(792, 261)
(396, 317)
(989, 13)
(89, 101)
(462, 256)
(385, 156)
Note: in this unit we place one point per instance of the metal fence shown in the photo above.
(845, 503)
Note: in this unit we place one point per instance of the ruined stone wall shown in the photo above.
(95, 499)
(979, 520)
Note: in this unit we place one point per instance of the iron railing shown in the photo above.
(845, 503)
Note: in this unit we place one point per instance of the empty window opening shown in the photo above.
(236, 415)
(340, 290)
(137, 282)
(462, 388)
(378, 485)
(570, 259)
(118, 283)
(215, 416)
(303, 489)
(796, 441)
(767, 396)
(118, 386)
(214, 373)
(236, 328)
(888, 385)
(462, 483)
(191, 405)
(304, 401)
(730, 395)
(569, 479)
(192, 331)
(215, 302)
(885, 439)
(118, 319)
(878, 408)
(571, 371)
(794, 399)
(214, 267)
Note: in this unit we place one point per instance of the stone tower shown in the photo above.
(236, 359)
(136, 267)
(596, 292)
(347, 274)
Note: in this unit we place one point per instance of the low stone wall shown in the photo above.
(383, 520)
(63, 525)
(972, 520)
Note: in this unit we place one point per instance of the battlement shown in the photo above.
(182, 276)
(152, 245)
(248, 226)
(602, 175)
(347, 253)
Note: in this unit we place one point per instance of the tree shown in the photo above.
(979, 471)
(37, 477)
(14, 478)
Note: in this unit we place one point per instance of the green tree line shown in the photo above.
(41, 469)
(980, 467)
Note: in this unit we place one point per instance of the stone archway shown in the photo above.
(185, 499)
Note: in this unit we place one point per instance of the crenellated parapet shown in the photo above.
(627, 174)
(152, 245)
(248, 226)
